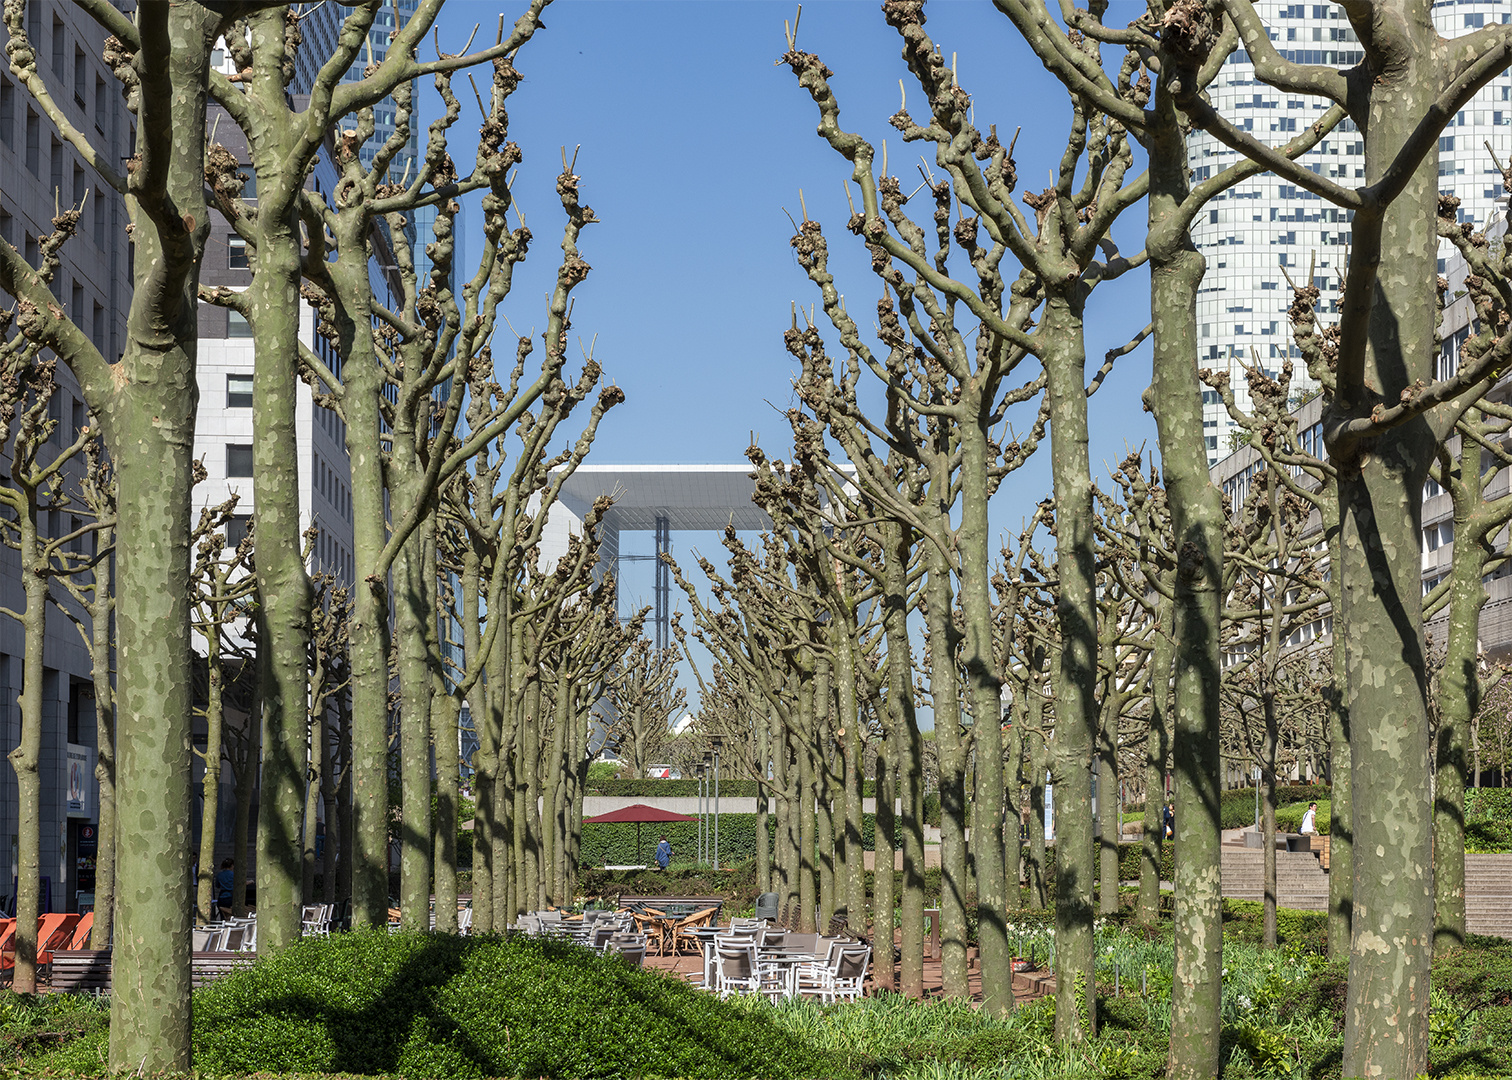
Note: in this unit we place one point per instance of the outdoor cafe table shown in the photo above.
(788, 963)
(787, 960)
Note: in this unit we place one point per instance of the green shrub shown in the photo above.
(421, 1005)
(615, 845)
(1237, 806)
(1131, 857)
(1488, 836)
(1289, 817)
(1495, 803)
(1305, 929)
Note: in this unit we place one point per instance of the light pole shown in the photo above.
(717, 743)
(698, 771)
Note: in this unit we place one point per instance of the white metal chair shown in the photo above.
(845, 973)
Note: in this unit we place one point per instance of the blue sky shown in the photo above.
(692, 144)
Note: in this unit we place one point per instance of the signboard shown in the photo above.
(80, 780)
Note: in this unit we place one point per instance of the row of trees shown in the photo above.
(882, 517)
(314, 689)
(881, 522)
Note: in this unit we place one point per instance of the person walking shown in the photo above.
(1170, 821)
(225, 883)
(663, 853)
(1310, 820)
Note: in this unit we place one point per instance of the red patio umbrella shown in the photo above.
(638, 813)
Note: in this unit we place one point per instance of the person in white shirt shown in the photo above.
(1310, 820)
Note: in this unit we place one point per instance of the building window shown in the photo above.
(238, 391)
(7, 113)
(102, 104)
(97, 330)
(237, 257)
(99, 218)
(236, 324)
(236, 529)
(55, 165)
(76, 305)
(238, 459)
(33, 144)
(59, 44)
(55, 421)
(81, 73)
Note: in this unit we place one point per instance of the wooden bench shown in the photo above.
(673, 905)
(89, 969)
(206, 967)
(81, 971)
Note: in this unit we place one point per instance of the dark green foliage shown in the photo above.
(33, 1024)
(615, 845)
(1494, 803)
(1238, 804)
(1488, 836)
(737, 885)
(1320, 996)
(1301, 929)
(1289, 817)
(420, 1005)
(1130, 856)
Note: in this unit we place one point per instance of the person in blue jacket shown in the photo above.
(663, 853)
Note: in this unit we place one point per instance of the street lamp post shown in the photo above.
(717, 743)
(698, 771)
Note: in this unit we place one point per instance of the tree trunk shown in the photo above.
(101, 657)
(1157, 752)
(1076, 720)
(1197, 526)
(27, 754)
(1039, 757)
(884, 974)
(944, 642)
(1380, 500)
(210, 785)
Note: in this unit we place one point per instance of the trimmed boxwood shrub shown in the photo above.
(434, 1005)
(614, 845)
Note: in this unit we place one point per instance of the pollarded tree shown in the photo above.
(30, 502)
(427, 340)
(1383, 423)
(94, 600)
(223, 591)
(145, 403)
(646, 700)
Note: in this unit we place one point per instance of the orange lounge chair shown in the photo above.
(80, 939)
(53, 932)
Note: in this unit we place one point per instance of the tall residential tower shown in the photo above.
(1258, 227)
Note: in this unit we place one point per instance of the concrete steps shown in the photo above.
(1488, 894)
(1301, 883)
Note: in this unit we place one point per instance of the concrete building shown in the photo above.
(41, 174)
(1257, 228)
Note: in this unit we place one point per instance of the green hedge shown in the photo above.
(1289, 817)
(421, 1005)
(688, 789)
(1237, 805)
(1494, 803)
(614, 845)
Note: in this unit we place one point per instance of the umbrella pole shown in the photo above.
(637, 840)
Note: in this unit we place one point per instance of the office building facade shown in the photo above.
(1266, 228)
